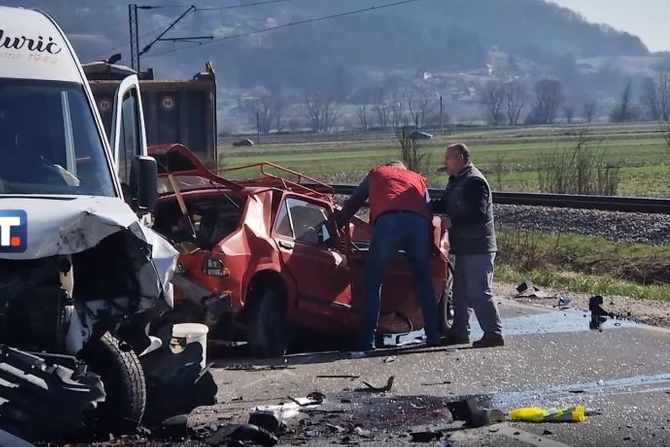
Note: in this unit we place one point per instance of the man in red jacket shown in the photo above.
(402, 219)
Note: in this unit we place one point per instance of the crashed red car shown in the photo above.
(262, 257)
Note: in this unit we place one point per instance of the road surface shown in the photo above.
(551, 359)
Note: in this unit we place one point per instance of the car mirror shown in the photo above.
(146, 183)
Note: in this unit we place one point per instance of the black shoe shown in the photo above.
(452, 338)
(489, 341)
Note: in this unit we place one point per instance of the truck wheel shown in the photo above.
(125, 388)
(446, 306)
(268, 328)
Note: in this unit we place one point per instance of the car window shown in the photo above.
(284, 227)
(308, 221)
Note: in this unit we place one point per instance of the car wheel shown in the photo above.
(122, 375)
(268, 326)
(446, 306)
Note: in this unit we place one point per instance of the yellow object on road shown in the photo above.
(538, 414)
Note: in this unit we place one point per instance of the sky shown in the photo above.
(647, 19)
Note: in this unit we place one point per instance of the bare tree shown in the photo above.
(590, 109)
(515, 100)
(411, 152)
(381, 108)
(321, 111)
(664, 95)
(624, 110)
(569, 113)
(419, 104)
(266, 113)
(492, 97)
(650, 99)
(549, 97)
(362, 112)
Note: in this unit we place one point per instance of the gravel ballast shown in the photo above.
(611, 225)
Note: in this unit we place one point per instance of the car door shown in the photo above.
(304, 233)
(128, 138)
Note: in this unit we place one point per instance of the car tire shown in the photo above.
(123, 377)
(446, 306)
(268, 327)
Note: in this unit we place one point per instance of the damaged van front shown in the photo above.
(81, 276)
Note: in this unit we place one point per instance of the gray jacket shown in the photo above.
(467, 201)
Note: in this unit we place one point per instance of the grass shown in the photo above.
(585, 264)
(642, 156)
(581, 283)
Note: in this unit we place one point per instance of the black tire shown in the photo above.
(446, 307)
(267, 330)
(125, 388)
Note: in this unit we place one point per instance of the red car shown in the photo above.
(261, 257)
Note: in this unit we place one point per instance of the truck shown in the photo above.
(175, 111)
(83, 278)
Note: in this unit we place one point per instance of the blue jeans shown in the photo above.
(392, 232)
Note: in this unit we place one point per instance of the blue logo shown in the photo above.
(13, 231)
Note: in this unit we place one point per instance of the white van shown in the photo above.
(81, 275)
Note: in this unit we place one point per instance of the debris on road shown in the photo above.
(243, 433)
(564, 302)
(473, 415)
(314, 398)
(444, 382)
(528, 290)
(46, 402)
(252, 368)
(539, 414)
(338, 376)
(363, 433)
(598, 314)
(390, 359)
(267, 420)
(373, 389)
(426, 436)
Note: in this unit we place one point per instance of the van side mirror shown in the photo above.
(145, 176)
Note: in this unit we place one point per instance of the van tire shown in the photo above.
(446, 306)
(267, 331)
(123, 377)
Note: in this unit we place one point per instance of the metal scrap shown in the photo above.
(373, 389)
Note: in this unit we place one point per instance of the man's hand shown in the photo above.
(446, 223)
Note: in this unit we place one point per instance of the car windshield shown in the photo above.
(49, 142)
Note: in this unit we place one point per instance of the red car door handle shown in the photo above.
(286, 245)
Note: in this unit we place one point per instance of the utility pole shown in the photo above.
(441, 116)
(134, 40)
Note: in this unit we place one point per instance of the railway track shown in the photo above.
(604, 203)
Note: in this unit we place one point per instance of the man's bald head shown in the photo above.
(456, 158)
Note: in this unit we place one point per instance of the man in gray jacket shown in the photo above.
(468, 207)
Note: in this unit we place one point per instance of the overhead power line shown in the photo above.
(287, 25)
(192, 8)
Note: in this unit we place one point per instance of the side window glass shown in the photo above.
(283, 225)
(130, 138)
(309, 222)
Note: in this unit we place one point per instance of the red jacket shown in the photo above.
(392, 188)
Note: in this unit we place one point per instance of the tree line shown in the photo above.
(503, 102)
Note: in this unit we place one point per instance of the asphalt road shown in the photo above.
(551, 359)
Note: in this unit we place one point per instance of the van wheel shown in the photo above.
(267, 331)
(122, 375)
(446, 306)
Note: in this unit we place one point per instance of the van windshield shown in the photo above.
(49, 143)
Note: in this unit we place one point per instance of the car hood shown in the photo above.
(69, 225)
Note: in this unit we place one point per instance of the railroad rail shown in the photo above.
(605, 203)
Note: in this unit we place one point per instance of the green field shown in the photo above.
(509, 158)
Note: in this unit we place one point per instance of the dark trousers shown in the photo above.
(393, 232)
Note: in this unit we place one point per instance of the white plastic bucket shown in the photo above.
(185, 333)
